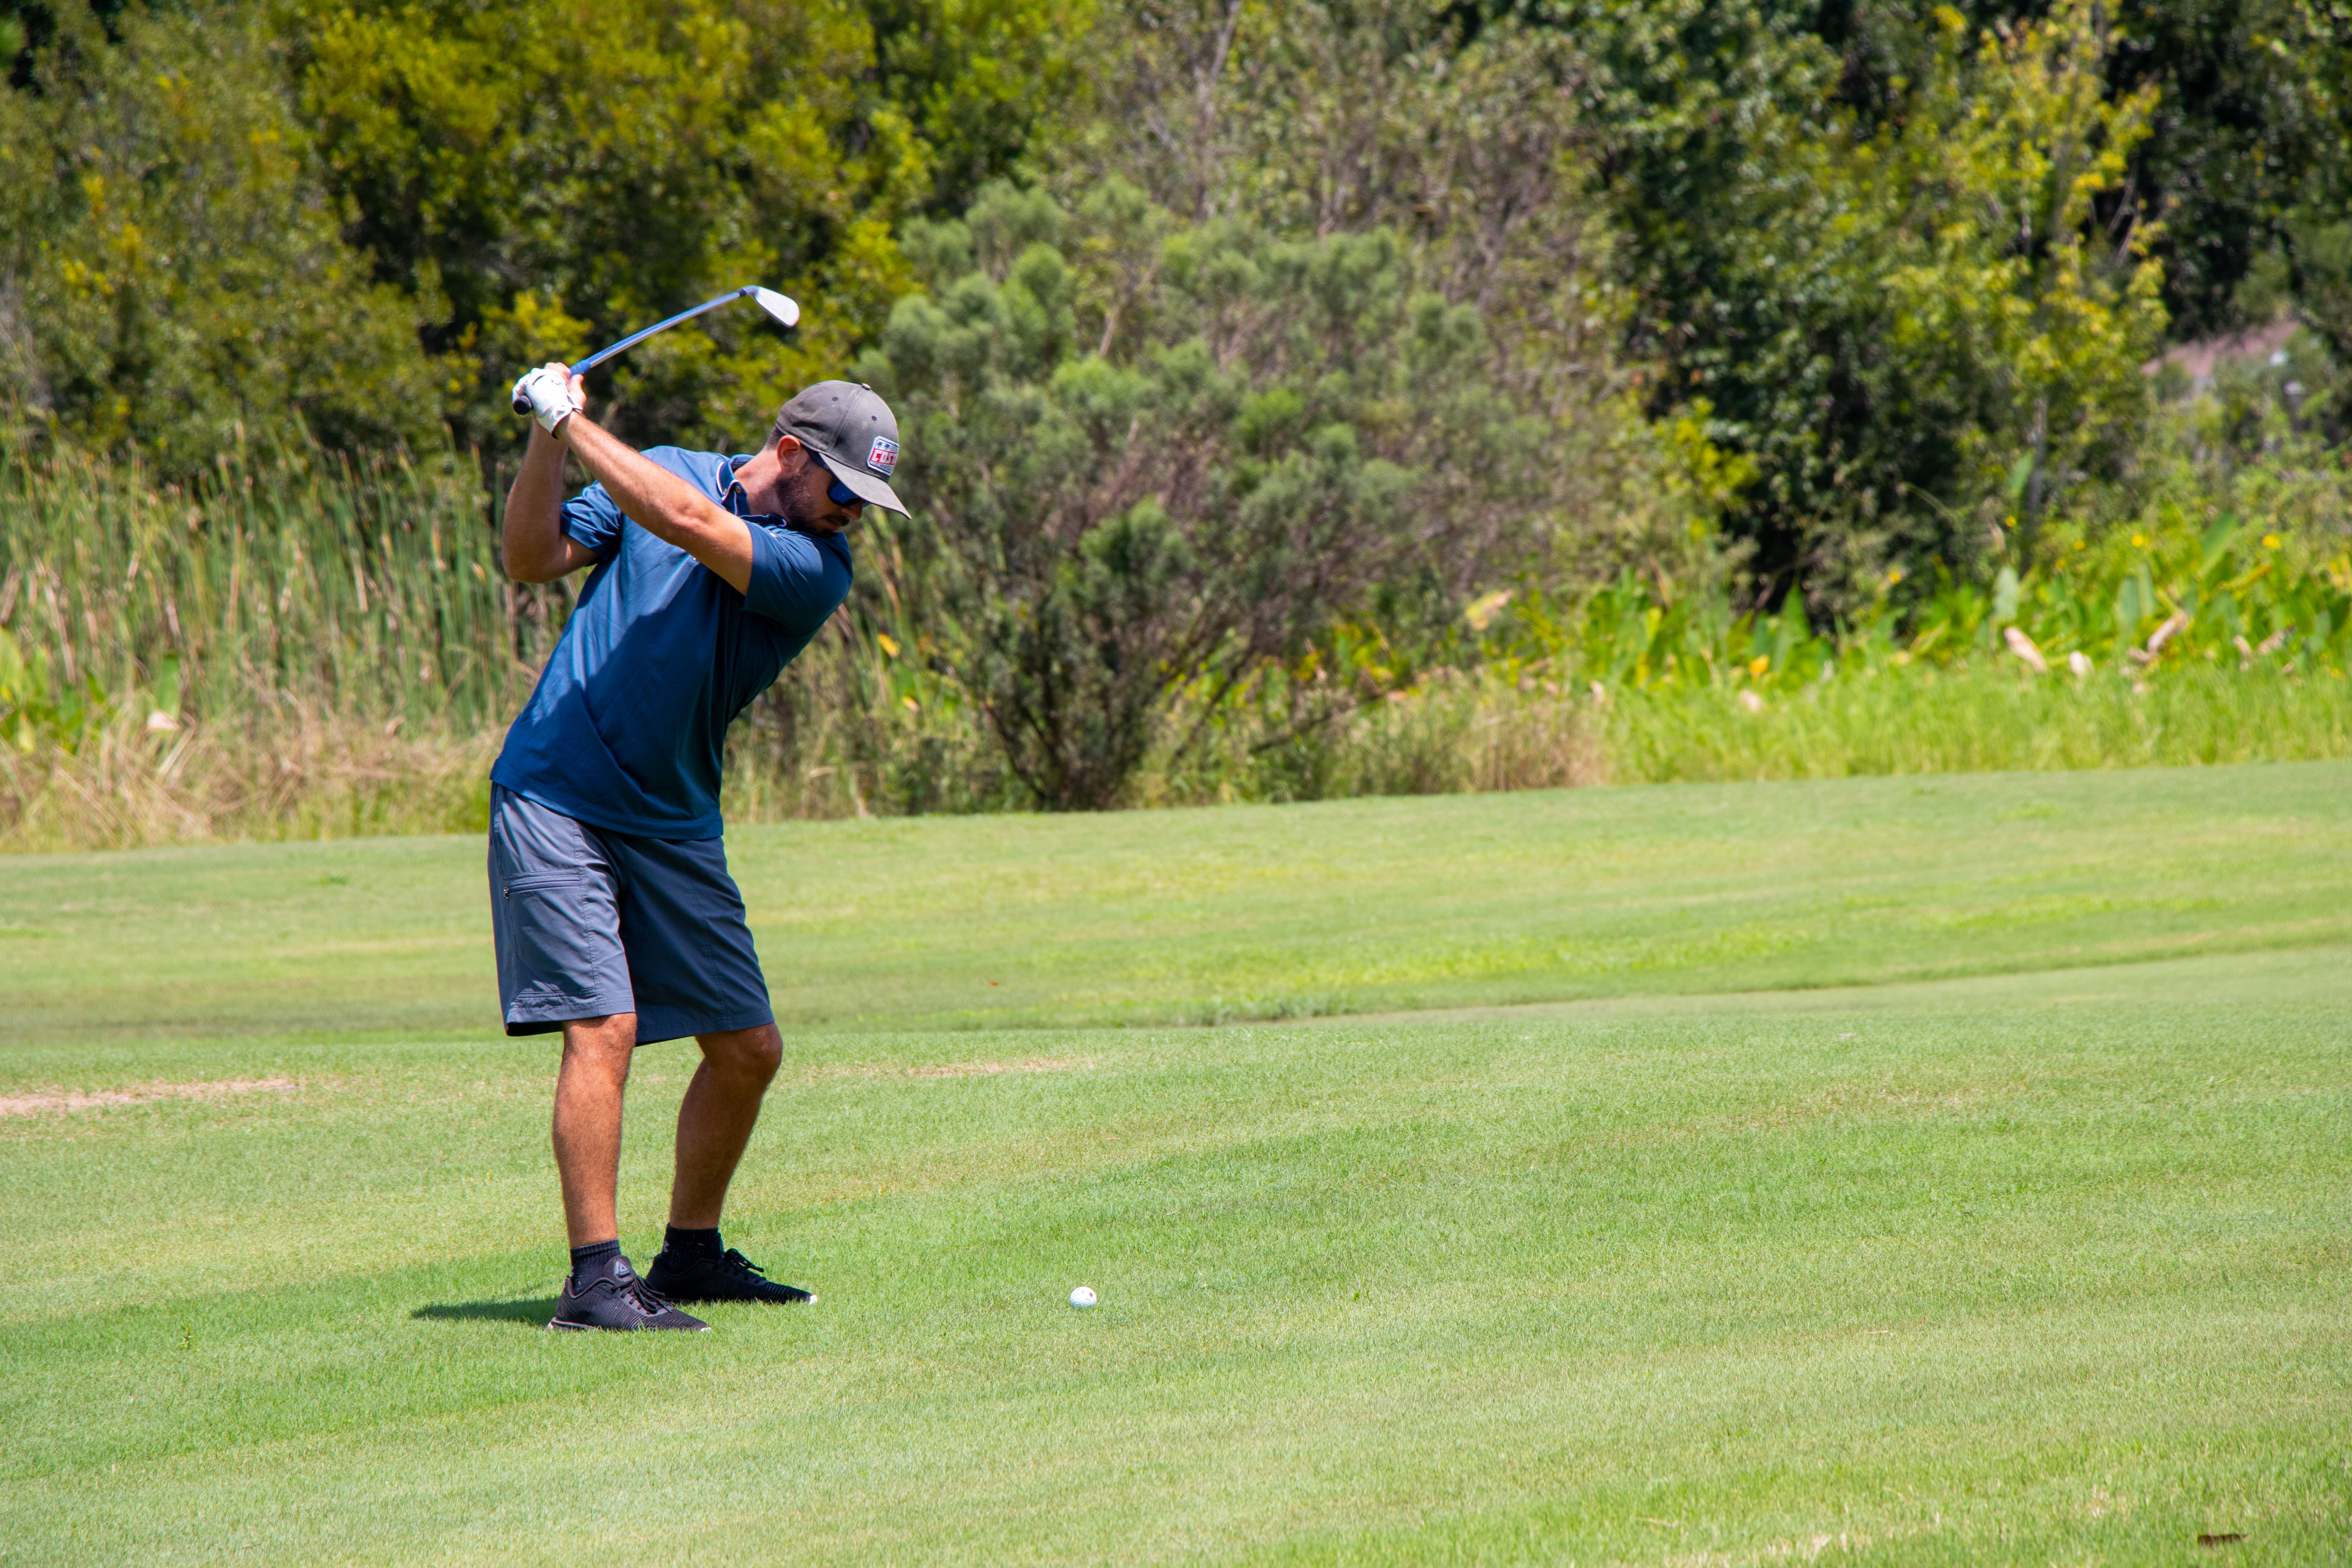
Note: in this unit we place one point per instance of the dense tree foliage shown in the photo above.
(1710, 119)
(1917, 325)
(169, 270)
(536, 176)
(502, 184)
(546, 175)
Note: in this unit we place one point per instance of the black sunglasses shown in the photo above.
(835, 492)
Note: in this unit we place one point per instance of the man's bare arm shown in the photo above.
(536, 549)
(660, 502)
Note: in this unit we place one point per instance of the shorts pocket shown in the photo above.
(538, 882)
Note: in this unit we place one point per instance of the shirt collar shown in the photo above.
(731, 493)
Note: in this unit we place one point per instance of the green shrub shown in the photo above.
(1145, 457)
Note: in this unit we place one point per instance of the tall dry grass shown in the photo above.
(294, 775)
(296, 771)
(1460, 733)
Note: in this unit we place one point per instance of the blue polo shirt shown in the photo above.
(625, 729)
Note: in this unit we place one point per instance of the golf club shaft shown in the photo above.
(601, 355)
(522, 406)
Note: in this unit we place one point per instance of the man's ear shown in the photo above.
(789, 452)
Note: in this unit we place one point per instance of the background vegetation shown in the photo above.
(1301, 398)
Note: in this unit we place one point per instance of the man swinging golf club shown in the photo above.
(617, 921)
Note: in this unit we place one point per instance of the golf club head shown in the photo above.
(781, 306)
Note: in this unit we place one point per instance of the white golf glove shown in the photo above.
(547, 394)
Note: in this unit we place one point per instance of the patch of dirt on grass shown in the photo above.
(57, 1101)
(965, 1069)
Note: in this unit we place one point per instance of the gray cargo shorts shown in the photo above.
(590, 922)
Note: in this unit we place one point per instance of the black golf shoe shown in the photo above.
(619, 1299)
(708, 1277)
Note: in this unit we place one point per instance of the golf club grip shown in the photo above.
(522, 404)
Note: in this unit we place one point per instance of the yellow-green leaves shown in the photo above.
(558, 175)
(2001, 278)
(368, 215)
(173, 272)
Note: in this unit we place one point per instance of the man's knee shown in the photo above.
(751, 1054)
(605, 1041)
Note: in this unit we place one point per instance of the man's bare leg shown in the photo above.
(714, 1124)
(588, 1091)
(716, 1119)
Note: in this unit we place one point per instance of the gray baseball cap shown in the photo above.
(853, 433)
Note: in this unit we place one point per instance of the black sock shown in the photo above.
(693, 1243)
(588, 1263)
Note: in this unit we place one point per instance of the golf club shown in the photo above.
(780, 306)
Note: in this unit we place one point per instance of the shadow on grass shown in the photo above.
(533, 1310)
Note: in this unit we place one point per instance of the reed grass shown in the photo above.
(366, 586)
(300, 643)
(309, 645)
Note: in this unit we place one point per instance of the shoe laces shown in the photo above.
(741, 1264)
(645, 1297)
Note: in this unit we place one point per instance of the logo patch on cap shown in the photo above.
(883, 456)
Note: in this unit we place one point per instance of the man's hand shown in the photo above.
(536, 549)
(551, 394)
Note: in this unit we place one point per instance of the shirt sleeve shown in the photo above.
(796, 581)
(594, 519)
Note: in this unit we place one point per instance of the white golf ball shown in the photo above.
(1084, 1296)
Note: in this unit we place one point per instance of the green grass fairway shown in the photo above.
(1248, 911)
(1872, 1171)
